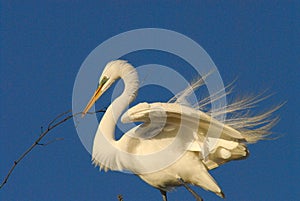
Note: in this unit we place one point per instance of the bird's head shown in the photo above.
(110, 74)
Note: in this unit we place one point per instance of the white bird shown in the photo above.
(166, 123)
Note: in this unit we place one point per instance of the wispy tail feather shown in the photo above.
(253, 127)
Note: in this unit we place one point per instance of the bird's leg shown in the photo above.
(198, 198)
(164, 195)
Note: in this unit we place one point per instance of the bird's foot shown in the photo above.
(198, 198)
(164, 195)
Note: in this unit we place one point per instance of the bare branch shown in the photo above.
(50, 142)
(54, 123)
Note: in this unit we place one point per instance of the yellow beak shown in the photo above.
(94, 98)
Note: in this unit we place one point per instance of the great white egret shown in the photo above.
(192, 166)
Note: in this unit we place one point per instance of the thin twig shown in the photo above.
(50, 142)
(54, 123)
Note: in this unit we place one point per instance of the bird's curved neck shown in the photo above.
(104, 149)
(108, 123)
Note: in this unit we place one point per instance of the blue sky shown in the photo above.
(44, 44)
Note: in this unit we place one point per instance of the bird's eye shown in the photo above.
(104, 80)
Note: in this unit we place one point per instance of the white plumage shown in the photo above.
(168, 149)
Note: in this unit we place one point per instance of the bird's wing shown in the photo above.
(173, 113)
(167, 117)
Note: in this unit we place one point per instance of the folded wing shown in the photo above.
(216, 142)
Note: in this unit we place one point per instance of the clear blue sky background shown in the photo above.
(43, 45)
